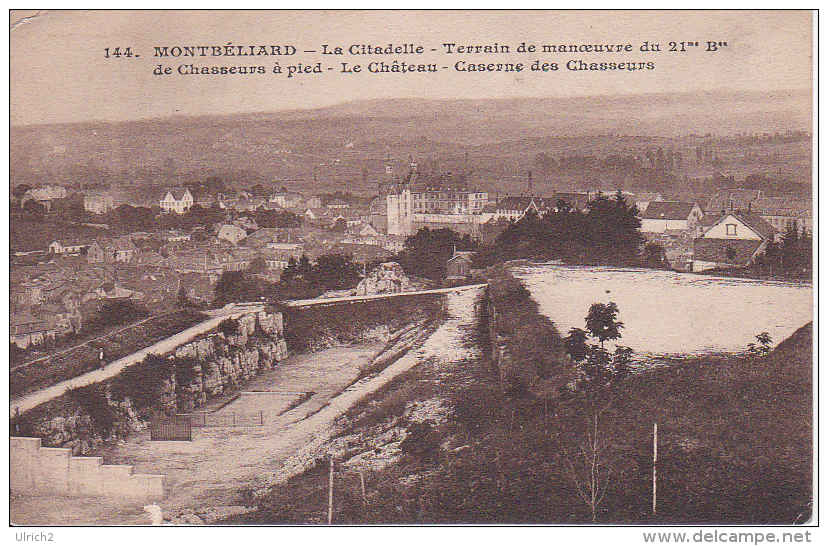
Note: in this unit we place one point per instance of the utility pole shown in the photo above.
(330, 491)
(655, 464)
(365, 273)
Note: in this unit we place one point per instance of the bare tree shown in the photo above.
(591, 472)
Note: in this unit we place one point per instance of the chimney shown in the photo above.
(530, 184)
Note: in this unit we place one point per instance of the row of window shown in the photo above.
(450, 196)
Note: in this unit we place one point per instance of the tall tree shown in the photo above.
(427, 251)
(600, 378)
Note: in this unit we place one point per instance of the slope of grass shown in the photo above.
(735, 447)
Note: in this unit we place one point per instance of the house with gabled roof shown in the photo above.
(733, 199)
(232, 233)
(65, 247)
(515, 208)
(337, 203)
(178, 200)
(733, 240)
(25, 330)
(318, 214)
(643, 199)
(783, 213)
(98, 202)
(287, 199)
(123, 248)
(459, 265)
(664, 216)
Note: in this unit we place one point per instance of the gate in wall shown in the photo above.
(176, 428)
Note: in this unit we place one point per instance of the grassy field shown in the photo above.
(735, 447)
(83, 359)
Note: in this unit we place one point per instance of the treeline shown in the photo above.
(792, 256)
(606, 233)
(301, 279)
(130, 219)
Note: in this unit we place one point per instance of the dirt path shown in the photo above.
(211, 470)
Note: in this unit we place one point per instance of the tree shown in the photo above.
(290, 273)
(35, 210)
(131, 219)
(240, 286)
(602, 323)
(266, 218)
(228, 327)
(258, 265)
(334, 272)
(20, 190)
(600, 377)
(114, 312)
(575, 345)
(427, 251)
(259, 191)
(764, 347)
(305, 266)
(654, 255)
(339, 226)
(183, 298)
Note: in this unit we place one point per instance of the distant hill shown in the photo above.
(358, 135)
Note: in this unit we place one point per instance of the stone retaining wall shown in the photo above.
(37, 470)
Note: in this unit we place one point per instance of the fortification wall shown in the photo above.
(37, 470)
(219, 363)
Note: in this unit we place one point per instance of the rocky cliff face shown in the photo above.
(223, 361)
(215, 363)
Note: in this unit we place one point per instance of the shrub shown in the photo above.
(422, 441)
(143, 382)
(92, 401)
(187, 370)
(113, 313)
(228, 327)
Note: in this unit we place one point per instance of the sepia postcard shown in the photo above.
(369, 268)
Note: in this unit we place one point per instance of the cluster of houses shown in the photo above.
(53, 297)
(733, 228)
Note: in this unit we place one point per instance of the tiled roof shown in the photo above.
(647, 196)
(778, 206)
(716, 250)
(758, 224)
(728, 199)
(124, 243)
(668, 210)
(575, 199)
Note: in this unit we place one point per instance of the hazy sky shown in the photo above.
(59, 73)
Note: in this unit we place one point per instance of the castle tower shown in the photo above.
(389, 169)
